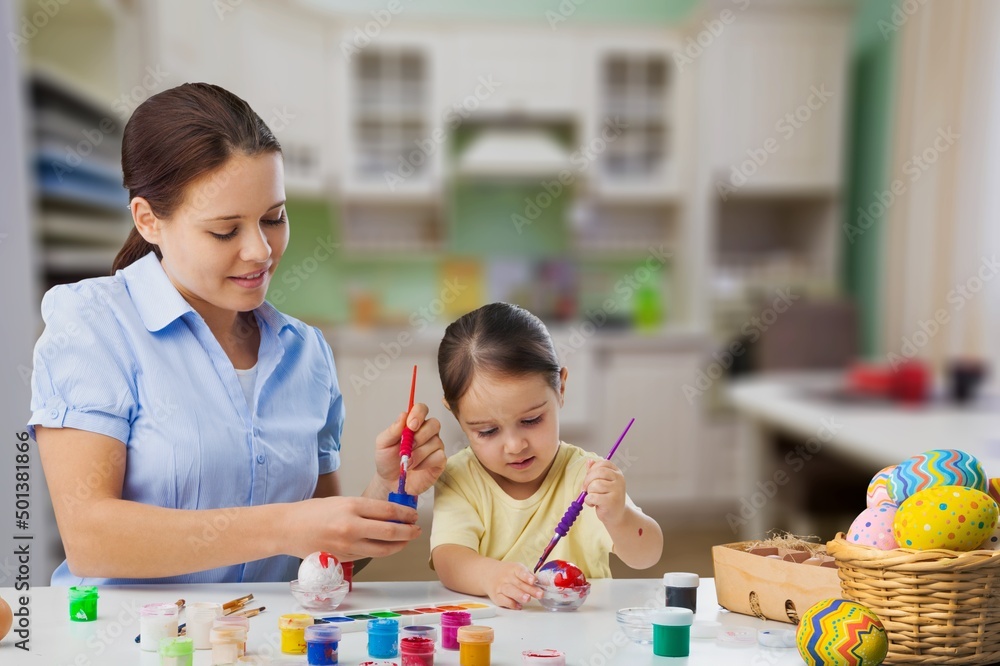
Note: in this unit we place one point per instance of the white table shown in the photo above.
(589, 636)
(874, 434)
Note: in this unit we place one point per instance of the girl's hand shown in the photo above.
(428, 458)
(350, 527)
(605, 487)
(511, 585)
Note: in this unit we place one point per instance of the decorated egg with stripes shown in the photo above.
(838, 632)
(878, 489)
(873, 527)
(993, 488)
(949, 517)
(940, 467)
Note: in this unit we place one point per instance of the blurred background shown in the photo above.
(764, 228)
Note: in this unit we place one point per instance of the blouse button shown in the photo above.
(53, 413)
(260, 459)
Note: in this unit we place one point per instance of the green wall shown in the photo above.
(868, 169)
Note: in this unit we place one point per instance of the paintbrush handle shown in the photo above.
(570, 517)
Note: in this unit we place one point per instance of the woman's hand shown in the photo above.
(511, 585)
(428, 458)
(605, 488)
(350, 527)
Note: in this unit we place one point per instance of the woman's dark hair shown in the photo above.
(501, 338)
(177, 136)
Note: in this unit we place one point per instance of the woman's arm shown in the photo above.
(108, 537)
(507, 584)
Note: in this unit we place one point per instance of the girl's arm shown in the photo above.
(507, 584)
(108, 537)
(637, 537)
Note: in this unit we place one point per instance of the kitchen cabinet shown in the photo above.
(780, 89)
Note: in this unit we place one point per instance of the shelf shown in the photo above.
(77, 260)
(65, 226)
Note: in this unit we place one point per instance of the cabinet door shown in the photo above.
(782, 92)
(660, 456)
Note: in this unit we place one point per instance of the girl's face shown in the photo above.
(224, 242)
(513, 427)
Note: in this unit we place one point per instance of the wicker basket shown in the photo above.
(938, 606)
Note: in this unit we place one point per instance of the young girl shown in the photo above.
(498, 502)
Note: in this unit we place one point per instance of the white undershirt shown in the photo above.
(248, 378)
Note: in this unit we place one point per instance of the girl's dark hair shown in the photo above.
(500, 338)
(176, 136)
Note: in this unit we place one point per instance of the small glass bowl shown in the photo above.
(564, 598)
(636, 624)
(326, 599)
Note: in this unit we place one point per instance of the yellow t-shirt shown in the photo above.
(471, 510)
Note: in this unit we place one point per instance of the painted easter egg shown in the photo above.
(561, 573)
(878, 489)
(993, 488)
(940, 467)
(992, 541)
(873, 527)
(949, 517)
(838, 632)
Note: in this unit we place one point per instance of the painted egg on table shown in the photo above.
(560, 573)
(838, 632)
(993, 488)
(878, 489)
(949, 517)
(873, 527)
(940, 467)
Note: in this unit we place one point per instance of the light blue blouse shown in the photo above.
(126, 356)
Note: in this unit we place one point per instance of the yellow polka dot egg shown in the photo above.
(948, 517)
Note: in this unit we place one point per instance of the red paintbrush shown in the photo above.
(406, 441)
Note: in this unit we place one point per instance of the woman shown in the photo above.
(189, 431)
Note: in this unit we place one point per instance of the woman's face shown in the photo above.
(223, 243)
(513, 428)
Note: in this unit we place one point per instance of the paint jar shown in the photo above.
(417, 651)
(404, 499)
(420, 631)
(322, 643)
(235, 621)
(348, 568)
(83, 603)
(293, 632)
(383, 638)
(450, 623)
(176, 651)
(200, 616)
(681, 590)
(474, 645)
(671, 631)
(227, 644)
(156, 622)
(543, 658)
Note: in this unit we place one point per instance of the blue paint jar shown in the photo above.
(383, 638)
(322, 642)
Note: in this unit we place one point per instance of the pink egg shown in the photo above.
(873, 527)
(878, 489)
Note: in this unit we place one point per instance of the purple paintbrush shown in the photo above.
(575, 508)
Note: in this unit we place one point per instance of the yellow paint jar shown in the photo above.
(293, 632)
(474, 645)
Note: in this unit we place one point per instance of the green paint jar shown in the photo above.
(83, 603)
(177, 651)
(671, 631)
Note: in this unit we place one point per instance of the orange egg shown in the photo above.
(6, 618)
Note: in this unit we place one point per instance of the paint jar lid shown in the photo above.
(416, 645)
(232, 621)
(421, 630)
(475, 633)
(455, 618)
(323, 633)
(404, 499)
(383, 625)
(671, 616)
(543, 658)
(83, 592)
(295, 621)
(179, 646)
(680, 579)
(159, 610)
